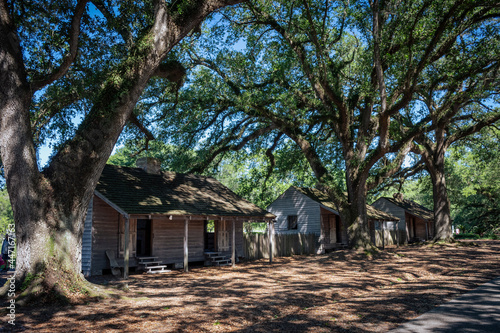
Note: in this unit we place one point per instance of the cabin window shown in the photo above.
(292, 222)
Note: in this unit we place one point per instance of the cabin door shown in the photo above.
(333, 229)
(338, 229)
(132, 238)
(144, 238)
(209, 236)
(223, 236)
(326, 229)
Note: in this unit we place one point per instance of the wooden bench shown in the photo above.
(115, 268)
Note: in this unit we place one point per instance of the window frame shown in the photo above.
(290, 220)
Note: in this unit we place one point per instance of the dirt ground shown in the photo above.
(343, 291)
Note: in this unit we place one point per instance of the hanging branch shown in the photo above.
(272, 160)
(74, 33)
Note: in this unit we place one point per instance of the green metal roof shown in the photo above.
(135, 191)
(322, 198)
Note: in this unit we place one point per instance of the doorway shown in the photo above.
(223, 236)
(209, 234)
(338, 229)
(144, 238)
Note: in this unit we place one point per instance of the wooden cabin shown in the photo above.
(172, 219)
(308, 210)
(417, 220)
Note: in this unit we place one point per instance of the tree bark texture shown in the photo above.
(442, 218)
(433, 154)
(49, 207)
(356, 219)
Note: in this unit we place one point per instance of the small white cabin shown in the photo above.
(307, 210)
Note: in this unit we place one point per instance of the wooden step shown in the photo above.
(154, 272)
(218, 258)
(148, 263)
(155, 269)
(157, 266)
(158, 271)
(146, 258)
(224, 263)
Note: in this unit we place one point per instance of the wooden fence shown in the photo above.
(392, 237)
(256, 246)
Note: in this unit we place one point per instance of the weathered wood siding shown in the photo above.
(239, 238)
(292, 202)
(420, 228)
(104, 234)
(285, 245)
(168, 240)
(87, 242)
(398, 212)
(390, 236)
(329, 228)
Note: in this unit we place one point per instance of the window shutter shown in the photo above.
(132, 245)
(121, 237)
(133, 237)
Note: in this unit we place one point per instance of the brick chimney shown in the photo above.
(149, 164)
(398, 196)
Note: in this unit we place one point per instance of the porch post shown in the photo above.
(233, 256)
(271, 240)
(407, 231)
(186, 249)
(426, 231)
(383, 235)
(126, 250)
(396, 227)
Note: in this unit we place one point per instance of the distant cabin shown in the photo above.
(418, 220)
(162, 209)
(308, 210)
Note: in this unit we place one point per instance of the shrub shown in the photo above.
(467, 236)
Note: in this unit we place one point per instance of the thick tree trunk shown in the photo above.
(434, 157)
(49, 251)
(356, 224)
(354, 214)
(442, 219)
(49, 207)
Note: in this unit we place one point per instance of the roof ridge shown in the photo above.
(174, 193)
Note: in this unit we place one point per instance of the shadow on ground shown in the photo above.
(343, 291)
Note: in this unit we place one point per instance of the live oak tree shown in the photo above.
(338, 76)
(458, 120)
(38, 46)
(471, 169)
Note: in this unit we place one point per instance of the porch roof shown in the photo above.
(135, 191)
(323, 199)
(413, 208)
